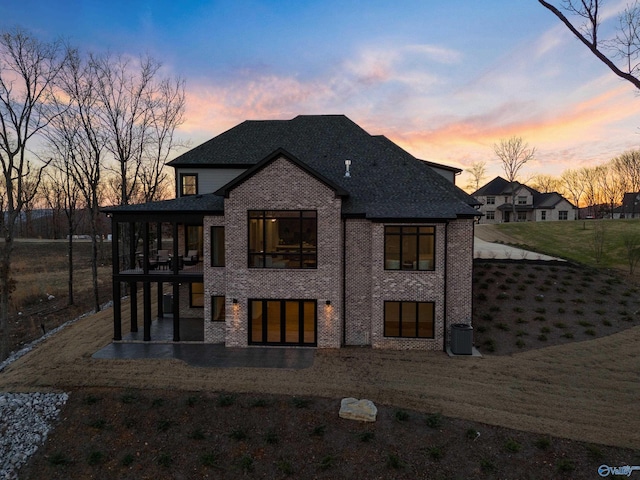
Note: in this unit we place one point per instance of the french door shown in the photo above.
(282, 322)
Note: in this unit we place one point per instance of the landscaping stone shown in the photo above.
(354, 409)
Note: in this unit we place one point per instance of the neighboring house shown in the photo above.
(304, 232)
(630, 207)
(531, 205)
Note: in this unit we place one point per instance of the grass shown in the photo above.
(574, 240)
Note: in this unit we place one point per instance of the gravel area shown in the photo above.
(25, 421)
(26, 418)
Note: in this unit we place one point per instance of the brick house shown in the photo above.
(496, 201)
(304, 232)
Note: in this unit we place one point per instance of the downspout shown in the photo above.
(344, 281)
(446, 288)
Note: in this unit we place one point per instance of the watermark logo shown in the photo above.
(606, 470)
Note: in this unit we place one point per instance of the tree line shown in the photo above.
(78, 130)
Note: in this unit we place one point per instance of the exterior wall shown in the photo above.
(209, 179)
(358, 281)
(214, 284)
(283, 186)
(413, 286)
(448, 174)
(459, 273)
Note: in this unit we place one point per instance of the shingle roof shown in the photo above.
(500, 186)
(386, 181)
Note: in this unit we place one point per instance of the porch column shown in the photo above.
(117, 314)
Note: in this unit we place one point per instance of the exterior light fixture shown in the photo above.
(328, 302)
(235, 301)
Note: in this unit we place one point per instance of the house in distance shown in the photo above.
(303, 232)
(496, 201)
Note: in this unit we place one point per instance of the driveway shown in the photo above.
(483, 249)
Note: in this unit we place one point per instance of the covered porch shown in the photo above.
(161, 255)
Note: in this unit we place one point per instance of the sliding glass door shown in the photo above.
(282, 322)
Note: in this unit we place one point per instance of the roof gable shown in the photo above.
(279, 153)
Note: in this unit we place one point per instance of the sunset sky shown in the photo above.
(445, 80)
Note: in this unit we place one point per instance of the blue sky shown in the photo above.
(445, 80)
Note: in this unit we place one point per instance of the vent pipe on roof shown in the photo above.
(347, 164)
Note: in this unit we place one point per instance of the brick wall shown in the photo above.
(460, 273)
(283, 186)
(415, 286)
(358, 281)
(214, 284)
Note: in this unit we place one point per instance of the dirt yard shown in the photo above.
(585, 391)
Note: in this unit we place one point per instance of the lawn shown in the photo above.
(575, 240)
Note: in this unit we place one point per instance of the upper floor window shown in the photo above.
(188, 184)
(522, 200)
(409, 248)
(283, 238)
(491, 200)
(217, 247)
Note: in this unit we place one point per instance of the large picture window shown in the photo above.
(408, 319)
(283, 238)
(409, 248)
(188, 184)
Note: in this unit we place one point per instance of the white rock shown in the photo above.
(354, 409)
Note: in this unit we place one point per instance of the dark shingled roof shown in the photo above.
(386, 181)
(500, 186)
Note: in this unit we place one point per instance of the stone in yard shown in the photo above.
(354, 409)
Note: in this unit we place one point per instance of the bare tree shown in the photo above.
(610, 188)
(631, 240)
(140, 113)
(28, 69)
(477, 170)
(513, 152)
(627, 168)
(623, 46)
(82, 141)
(546, 183)
(573, 183)
(589, 177)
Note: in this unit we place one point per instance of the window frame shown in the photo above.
(409, 322)
(308, 259)
(522, 200)
(214, 308)
(418, 234)
(182, 178)
(491, 200)
(543, 215)
(490, 215)
(563, 213)
(215, 247)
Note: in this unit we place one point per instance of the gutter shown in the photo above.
(446, 289)
(344, 282)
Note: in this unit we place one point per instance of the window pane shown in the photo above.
(217, 246)
(392, 230)
(292, 322)
(197, 295)
(274, 329)
(256, 243)
(409, 252)
(427, 230)
(189, 184)
(391, 319)
(392, 252)
(309, 322)
(309, 241)
(425, 320)
(217, 309)
(425, 252)
(408, 326)
(256, 321)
